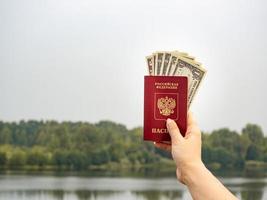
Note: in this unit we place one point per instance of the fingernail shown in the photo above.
(169, 121)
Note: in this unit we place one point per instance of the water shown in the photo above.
(50, 187)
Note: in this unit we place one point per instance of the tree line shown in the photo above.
(82, 145)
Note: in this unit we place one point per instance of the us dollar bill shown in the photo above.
(177, 63)
(186, 57)
(155, 58)
(159, 59)
(194, 73)
(149, 60)
(171, 65)
(165, 63)
(184, 54)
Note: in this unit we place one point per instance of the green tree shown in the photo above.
(18, 158)
(222, 156)
(3, 158)
(63, 139)
(87, 138)
(206, 154)
(77, 145)
(5, 136)
(116, 151)
(253, 152)
(37, 157)
(20, 137)
(100, 157)
(254, 133)
(224, 138)
(59, 158)
(76, 160)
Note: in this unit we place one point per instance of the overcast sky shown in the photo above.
(84, 59)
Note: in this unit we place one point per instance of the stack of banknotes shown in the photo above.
(176, 63)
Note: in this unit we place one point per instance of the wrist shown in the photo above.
(192, 172)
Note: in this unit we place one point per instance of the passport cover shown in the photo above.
(164, 97)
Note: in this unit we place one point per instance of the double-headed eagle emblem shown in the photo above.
(166, 105)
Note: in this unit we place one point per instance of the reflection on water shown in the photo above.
(157, 195)
(29, 187)
(253, 190)
(91, 195)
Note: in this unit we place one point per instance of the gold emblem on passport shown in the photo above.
(166, 106)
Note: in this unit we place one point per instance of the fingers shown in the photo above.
(163, 146)
(174, 132)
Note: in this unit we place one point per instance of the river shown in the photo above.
(74, 187)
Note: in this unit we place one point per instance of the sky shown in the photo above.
(84, 60)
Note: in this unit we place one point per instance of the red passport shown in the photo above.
(164, 97)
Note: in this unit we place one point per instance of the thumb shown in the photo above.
(174, 132)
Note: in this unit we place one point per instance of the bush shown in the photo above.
(76, 160)
(3, 158)
(253, 153)
(222, 156)
(59, 158)
(100, 157)
(37, 158)
(17, 159)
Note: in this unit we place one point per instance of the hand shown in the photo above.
(190, 170)
(186, 151)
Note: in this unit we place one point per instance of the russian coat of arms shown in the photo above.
(166, 105)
